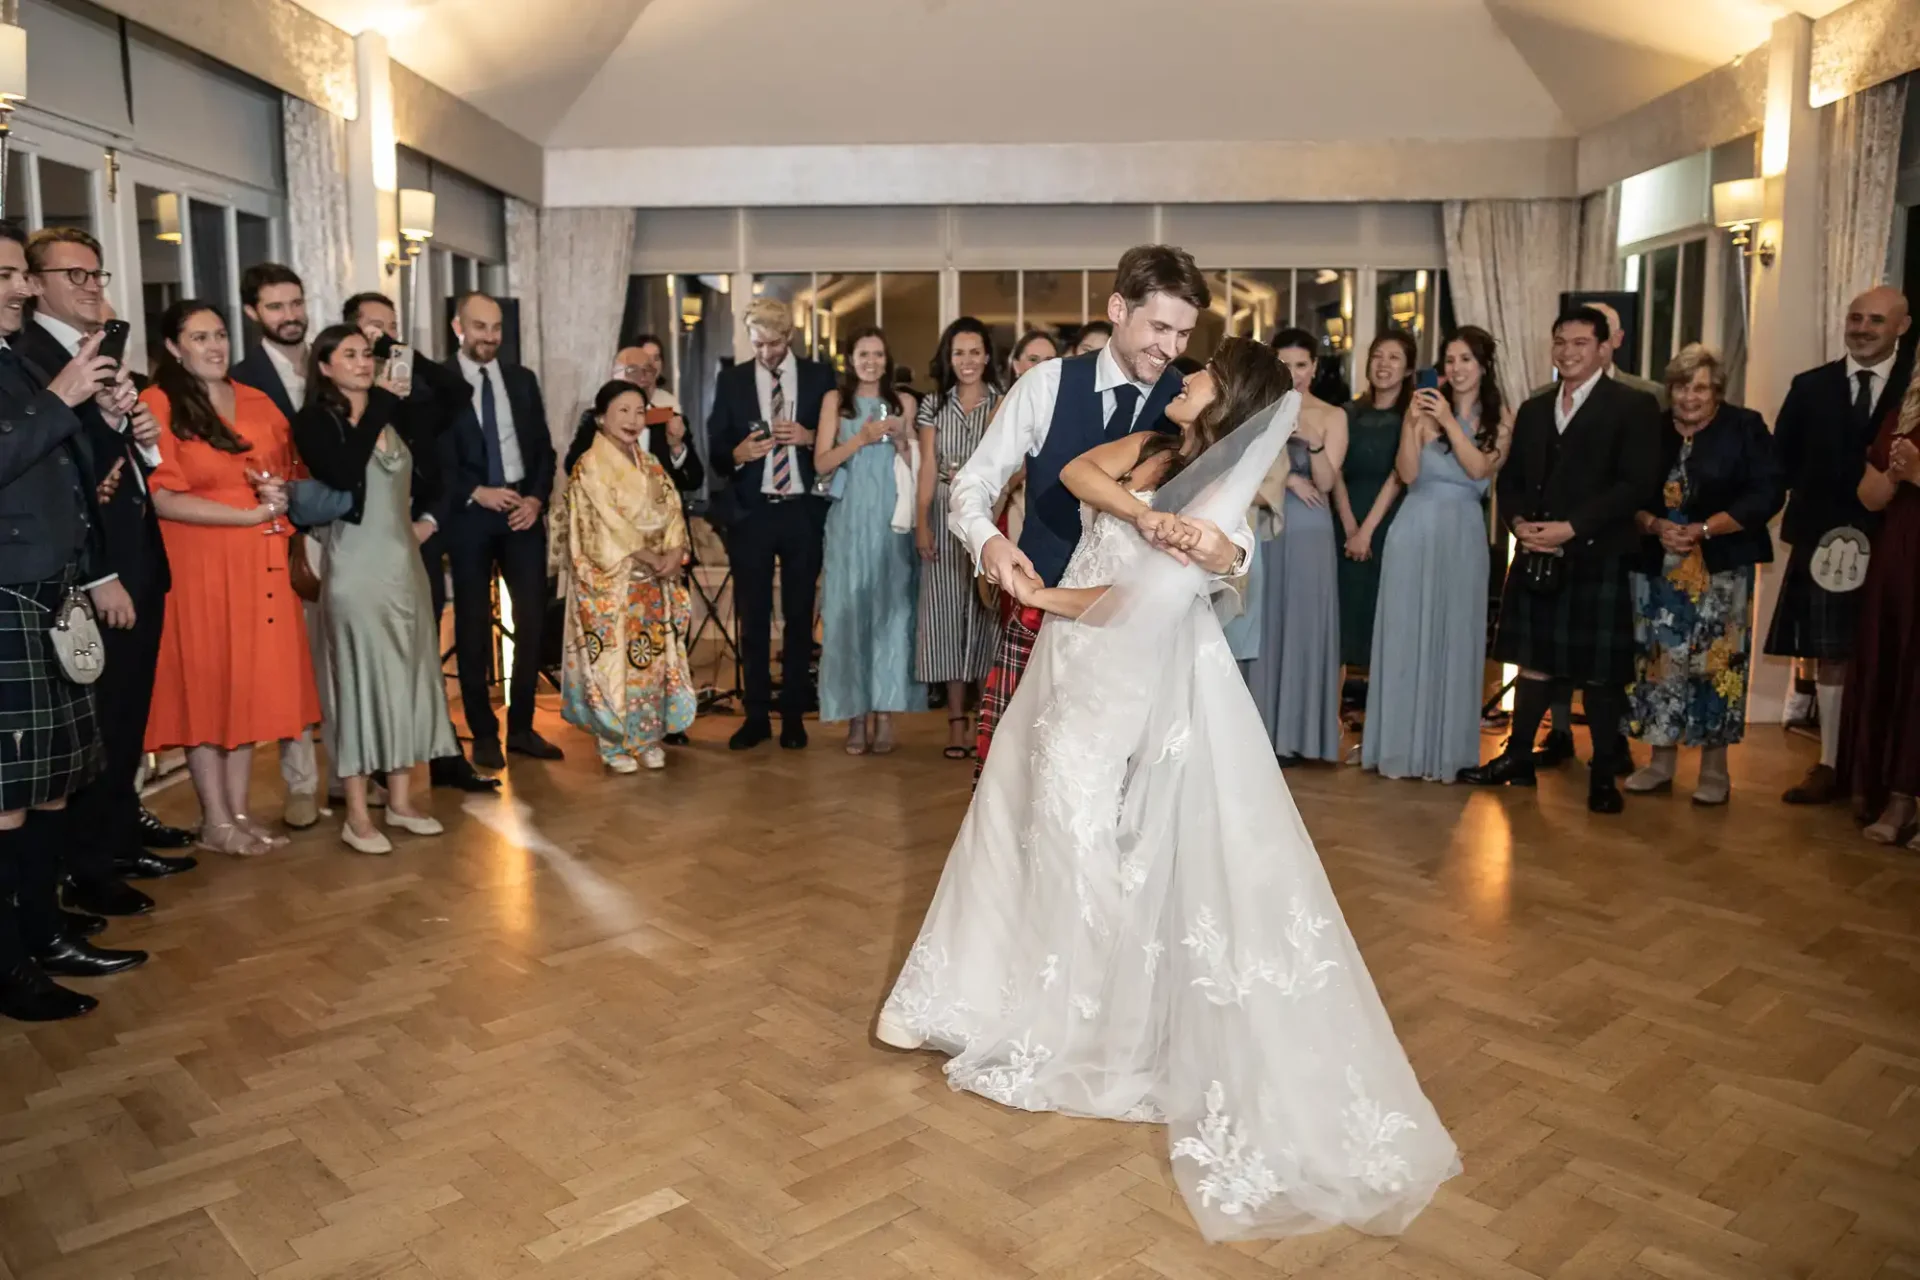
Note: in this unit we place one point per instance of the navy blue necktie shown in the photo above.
(490, 432)
(1126, 398)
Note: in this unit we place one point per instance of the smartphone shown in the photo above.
(113, 340)
(1426, 380)
(761, 431)
(383, 346)
(400, 367)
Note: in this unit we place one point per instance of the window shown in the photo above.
(66, 195)
(993, 298)
(1671, 280)
(1262, 304)
(211, 280)
(1324, 305)
(162, 283)
(910, 312)
(1410, 301)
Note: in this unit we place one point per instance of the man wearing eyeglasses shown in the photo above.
(130, 596)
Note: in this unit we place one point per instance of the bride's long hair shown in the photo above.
(1247, 377)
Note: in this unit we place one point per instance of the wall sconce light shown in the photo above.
(13, 90)
(1739, 206)
(416, 226)
(166, 213)
(691, 308)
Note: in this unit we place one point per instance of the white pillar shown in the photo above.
(373, 174)
(1784, 335)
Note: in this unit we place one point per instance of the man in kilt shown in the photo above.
(1822, 435)
(1055, 413)
(49, 740)
(1585, 458)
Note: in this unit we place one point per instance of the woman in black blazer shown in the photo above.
(1693, 579)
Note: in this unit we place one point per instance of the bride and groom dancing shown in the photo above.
(1133, 923)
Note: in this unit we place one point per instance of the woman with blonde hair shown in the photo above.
(624, 677)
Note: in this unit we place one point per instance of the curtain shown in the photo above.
(1600, 240)
(1508, 262)
(523, 271)
(1860, 136)
(581, 288)
(319, 242)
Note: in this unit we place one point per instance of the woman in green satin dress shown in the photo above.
(1369, 492)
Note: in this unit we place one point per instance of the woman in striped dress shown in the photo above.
(957, 631)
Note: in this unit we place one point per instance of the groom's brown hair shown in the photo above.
(1148, 269)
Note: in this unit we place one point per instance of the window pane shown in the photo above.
(66, 196)
(210, 257)
(1212, 324)
(796, 290)
(843, 306)
(16, 193)
(255, 237)
(910, 306)
(1325, 309)
(158, 215)
(1055, 302)
(1693, 290)
(1262, 303)
(1404, 300)
(989, 297)
(1662, 299)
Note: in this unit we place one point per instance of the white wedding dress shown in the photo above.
(1133, 923)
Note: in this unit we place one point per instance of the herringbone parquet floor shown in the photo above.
(615, 1028)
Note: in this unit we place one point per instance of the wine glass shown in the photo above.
(260, 478)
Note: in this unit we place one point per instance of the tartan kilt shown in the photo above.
(1583, 632)
(49, 737)
(1808, 620)
(1010, 660)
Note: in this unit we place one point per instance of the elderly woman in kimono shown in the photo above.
(625, 677)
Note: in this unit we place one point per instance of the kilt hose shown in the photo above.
(1582, 632)
(49, 738)
(1010, 660)
(1808, 620)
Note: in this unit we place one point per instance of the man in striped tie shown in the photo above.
(760, 442)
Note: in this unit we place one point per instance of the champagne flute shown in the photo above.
(261, 478)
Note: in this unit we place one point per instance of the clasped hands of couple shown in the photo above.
(1187, 539)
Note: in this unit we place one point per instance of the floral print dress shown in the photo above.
(1692, 634)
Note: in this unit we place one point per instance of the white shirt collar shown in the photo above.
(473, 369)
(288, 369)
(64, 333)
(1581, 392)
(1107, 373)
(1880, 371)
(787, 366)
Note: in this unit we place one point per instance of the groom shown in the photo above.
(1057, 412)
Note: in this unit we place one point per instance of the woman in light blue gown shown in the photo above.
(1430, 628)
(870, 571)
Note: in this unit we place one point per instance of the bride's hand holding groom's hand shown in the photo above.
(1002, 563)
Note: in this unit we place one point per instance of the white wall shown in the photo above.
(1671, 198)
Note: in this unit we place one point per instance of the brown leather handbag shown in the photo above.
(306, 583)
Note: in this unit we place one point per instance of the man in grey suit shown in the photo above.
(1557, 749)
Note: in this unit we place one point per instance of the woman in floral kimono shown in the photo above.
(625, 678)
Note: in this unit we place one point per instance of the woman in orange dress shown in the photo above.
(234, 667)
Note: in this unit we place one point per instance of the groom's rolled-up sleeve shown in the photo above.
(1016, 434)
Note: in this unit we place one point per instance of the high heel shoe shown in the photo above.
(233, 840)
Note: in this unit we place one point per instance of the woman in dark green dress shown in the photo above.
(1369, 492)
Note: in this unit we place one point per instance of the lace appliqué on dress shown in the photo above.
(1226, 982)
(1008, 1084)
(916, 999)
(1371, 1132)
(1238, 1178)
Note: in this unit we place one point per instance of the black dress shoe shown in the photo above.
(750, 735)
(677, 740)
(152, 866)
(486, 754)
(454, 773)
(29, 995)
(1509, 768)
(69, 959)
(155, 834)
(533, 746)
(1603, 793)
(107, 897)
(1555, 751)
(793, 735)
(80, 924)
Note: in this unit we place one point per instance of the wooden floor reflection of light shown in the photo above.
(1482, 862)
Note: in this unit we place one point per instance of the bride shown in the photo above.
(1133, 923)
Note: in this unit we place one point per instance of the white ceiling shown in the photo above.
(619, 73)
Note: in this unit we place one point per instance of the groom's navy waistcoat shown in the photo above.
(1053, 514)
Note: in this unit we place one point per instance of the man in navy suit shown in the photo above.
(496, 471)
(760, 444)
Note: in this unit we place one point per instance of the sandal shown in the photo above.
(231, 839)
(956, 752)
(883, 743)
(857, 736)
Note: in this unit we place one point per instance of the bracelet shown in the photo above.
(1321, 449)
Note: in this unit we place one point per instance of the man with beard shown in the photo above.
(273, 298)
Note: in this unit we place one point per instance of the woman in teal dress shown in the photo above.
(870, 569)
(1369, 492)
